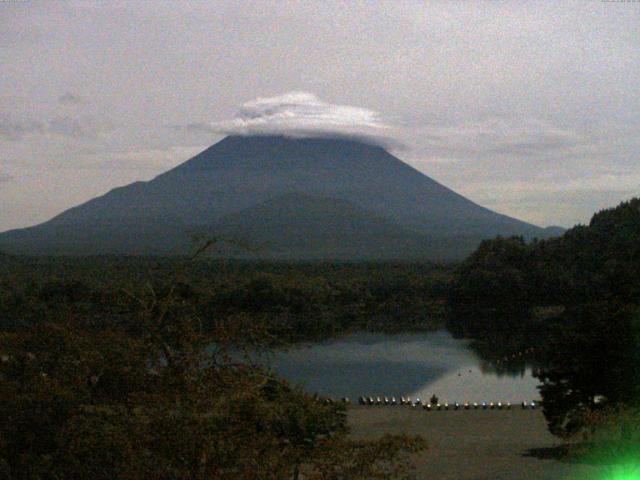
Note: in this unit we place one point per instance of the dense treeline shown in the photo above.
(103, 376)
(298, 301)
(575, 298)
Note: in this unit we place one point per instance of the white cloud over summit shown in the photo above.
(303, 114)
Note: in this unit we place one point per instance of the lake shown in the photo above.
(418, 365)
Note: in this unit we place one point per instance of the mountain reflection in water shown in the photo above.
(418, 364)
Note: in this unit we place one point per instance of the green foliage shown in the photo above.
(613, 440)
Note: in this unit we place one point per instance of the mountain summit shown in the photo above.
(309, 198)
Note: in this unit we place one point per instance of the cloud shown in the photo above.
(70, 99)
(140, 158)
(506, 138)
(602, 182)
(564, 198)
(15, 130)
(61, 126)
(299, 115)
(78, 127)
(196, 128)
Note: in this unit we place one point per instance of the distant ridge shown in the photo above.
(293, 198)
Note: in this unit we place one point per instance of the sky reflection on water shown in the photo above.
(404, 364)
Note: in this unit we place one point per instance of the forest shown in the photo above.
(297, 301)
(576, 299)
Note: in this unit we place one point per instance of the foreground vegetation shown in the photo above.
(149, 388)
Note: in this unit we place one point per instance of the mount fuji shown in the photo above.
(286, 198)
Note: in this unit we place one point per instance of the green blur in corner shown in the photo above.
(627, 471)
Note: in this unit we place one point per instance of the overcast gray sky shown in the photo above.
(529, 108)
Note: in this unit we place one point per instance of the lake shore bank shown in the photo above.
(474, 444)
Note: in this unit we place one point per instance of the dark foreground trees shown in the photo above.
(575, 299)
(592, 364)
(158, 396)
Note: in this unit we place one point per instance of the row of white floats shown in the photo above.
(386, 401)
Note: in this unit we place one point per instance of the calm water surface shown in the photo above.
(404, 364)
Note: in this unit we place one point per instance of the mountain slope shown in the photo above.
(301, 226)
(240, 179)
